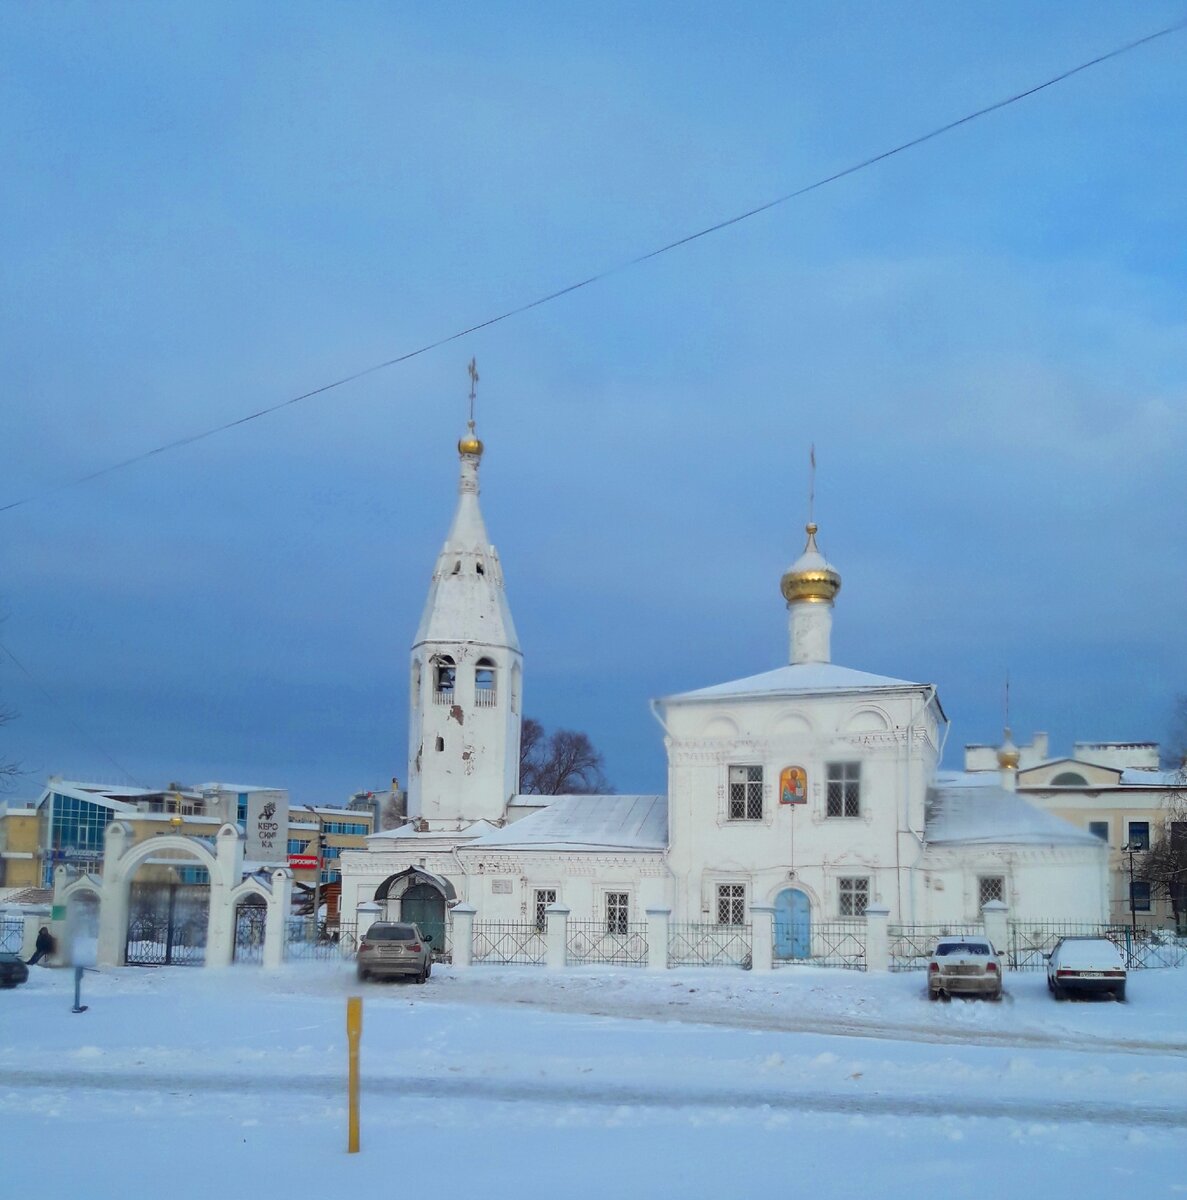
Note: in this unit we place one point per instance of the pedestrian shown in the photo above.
(44, 945)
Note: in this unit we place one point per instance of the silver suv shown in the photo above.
(391, 948)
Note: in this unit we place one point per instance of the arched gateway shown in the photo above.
(420, 896)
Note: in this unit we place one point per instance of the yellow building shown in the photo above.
(20, 866)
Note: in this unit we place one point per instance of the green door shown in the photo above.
(425, 906)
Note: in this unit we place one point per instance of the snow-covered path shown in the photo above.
(596, 1081)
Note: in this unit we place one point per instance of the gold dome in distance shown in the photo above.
(810, 578)
(1008, 756)
(471, 443)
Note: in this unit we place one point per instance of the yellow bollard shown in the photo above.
(354, 1031)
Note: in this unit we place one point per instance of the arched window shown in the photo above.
(1069, 779)
(446, 673)
(485, 692)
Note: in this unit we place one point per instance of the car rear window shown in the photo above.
(1089, 953)
(945, 948)
(391, 933)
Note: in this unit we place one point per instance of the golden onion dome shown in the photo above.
(810, 578)
(471, 443)
(1008, 756)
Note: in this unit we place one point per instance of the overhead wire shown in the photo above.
(598, 276)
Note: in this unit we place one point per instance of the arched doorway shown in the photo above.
(251, 923)
(793, 924)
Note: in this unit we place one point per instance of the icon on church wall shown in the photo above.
(793, 786)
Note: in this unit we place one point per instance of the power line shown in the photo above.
(177, 443)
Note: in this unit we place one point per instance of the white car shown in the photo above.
(1085, 965)
(964, 966)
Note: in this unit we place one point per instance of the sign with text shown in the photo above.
(267, 827)
(303, 862)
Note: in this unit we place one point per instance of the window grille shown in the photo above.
(844, 790)
(854, 895)
(617, 912)
(990, 887)
(544, 897)
(731, 904)
(745, 794)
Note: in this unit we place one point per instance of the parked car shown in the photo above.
(1085, 965)
(964, 966)
(392, 948)
(12, 971)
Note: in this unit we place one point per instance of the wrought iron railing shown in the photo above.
(911, 945)
(1031, 942)
(503, 942)
(250, 924)
(703, 945)
(306, 939)
(592, 942)
(12, 934)
(832, 944)
(156, 940)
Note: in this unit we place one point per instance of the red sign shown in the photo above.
(303, 862)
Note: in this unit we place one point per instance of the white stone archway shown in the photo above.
(66, 926)
(121, 858)
(277, 897)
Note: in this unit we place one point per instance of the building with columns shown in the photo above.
(812, 789)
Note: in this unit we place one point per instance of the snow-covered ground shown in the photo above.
(593, 1082)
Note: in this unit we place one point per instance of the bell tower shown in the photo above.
(467, 672)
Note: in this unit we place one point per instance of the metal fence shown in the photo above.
(250, 923)
(306, 939)
(700, 945)
(592, 942)
(503, 942)
(12, 934)
(832, 944)
(1031, 942)
(912, 945)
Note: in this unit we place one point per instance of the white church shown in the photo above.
(811, 789)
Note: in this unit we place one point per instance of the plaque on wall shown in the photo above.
(500, 887)
(793, 786)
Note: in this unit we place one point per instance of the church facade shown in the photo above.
(813, 789)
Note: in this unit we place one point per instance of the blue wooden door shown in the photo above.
(793, 924)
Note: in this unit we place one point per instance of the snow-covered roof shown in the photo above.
(1138, 777)
(981, 814)
(587, 823)
(410, 833)
(807, 678)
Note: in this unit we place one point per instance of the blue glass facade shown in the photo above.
(72, 831)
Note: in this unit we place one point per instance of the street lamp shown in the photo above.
(1130, 849)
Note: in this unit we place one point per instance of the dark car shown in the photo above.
(12, 971)
(395, 948)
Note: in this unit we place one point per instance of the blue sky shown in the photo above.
(209, 208)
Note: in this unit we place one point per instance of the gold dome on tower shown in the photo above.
(810, 578)
(1008, 755)
(471, 443)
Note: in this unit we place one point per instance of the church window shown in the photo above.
(990, 887)
(618, 907)
(485, 694)
(1139, 835)
(446, 675)
(544, 897)
(745, 794)
(844, 790)
(1069, 779)
(1139, 895)
(731, 904)
(480, 568)
(440, 742)
(854, 895)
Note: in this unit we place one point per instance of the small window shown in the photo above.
(480, 568)
(745, 794)
(485, 694)
(440, 742)
(544, 897)
(1139, 835)
(854, 894)
(731, 904)
(1099, 829)
(990, 887)
(1069, 779)
(844, 790)
(1139, 893)
(618, 906)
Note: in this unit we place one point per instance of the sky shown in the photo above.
(210, 209)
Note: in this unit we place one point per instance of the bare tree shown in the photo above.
(1165, 865)
(8, 770)
(561, 763)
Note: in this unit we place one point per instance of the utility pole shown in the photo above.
(1130, 849)
(317, 877)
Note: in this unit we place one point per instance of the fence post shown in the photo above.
(994, 916)
(463, 935)
(556, 936)
(762, 937)
(658, 920)
(276, 918)
(877, 938)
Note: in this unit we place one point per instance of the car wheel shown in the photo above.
(1120, 993)
(1058, 992)
(424, 974)
(1050, 985)
(428, 970)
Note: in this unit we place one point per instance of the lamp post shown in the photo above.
(317, 877)
(1130, 849)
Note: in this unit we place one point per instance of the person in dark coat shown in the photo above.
(43, 946)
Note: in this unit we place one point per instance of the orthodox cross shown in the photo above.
(473, 371)
(811, 481)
